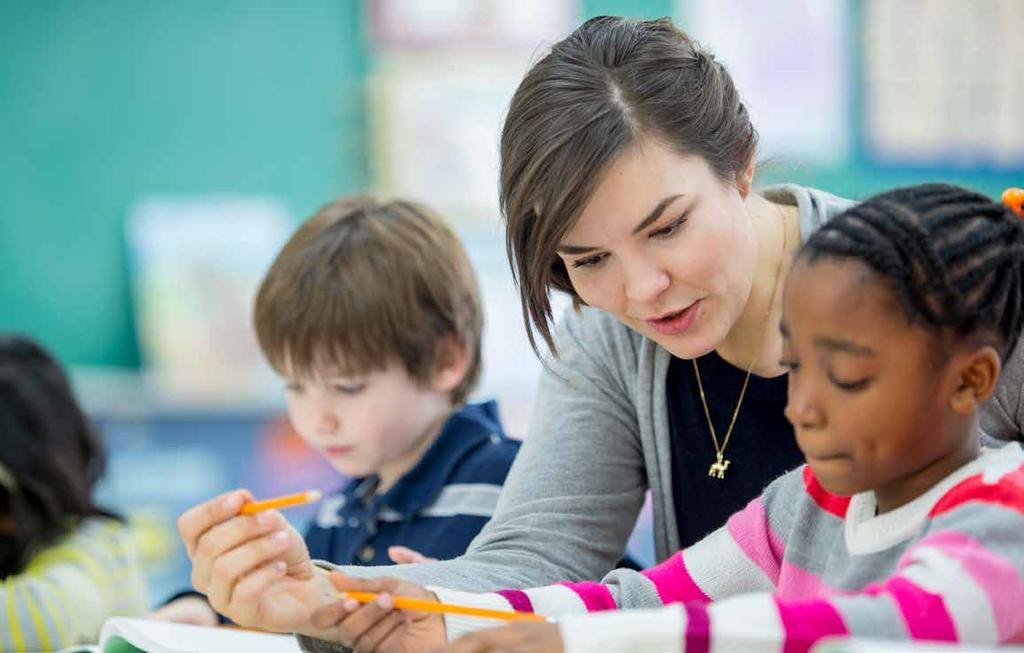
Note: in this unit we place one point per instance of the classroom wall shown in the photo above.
(106, 102)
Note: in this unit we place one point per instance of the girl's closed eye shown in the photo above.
(854, 385)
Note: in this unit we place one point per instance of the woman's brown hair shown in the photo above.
(606, 85)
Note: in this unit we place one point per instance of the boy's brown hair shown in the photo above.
(365, 282)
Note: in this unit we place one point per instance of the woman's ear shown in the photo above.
(745, 179)
(452, 364)
(977, 375)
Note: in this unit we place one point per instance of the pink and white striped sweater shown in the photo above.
(799, 564)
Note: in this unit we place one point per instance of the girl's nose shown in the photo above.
(802, 408)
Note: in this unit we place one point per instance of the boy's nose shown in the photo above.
(327, 424)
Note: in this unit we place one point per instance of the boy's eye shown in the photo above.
(347, 389)
(669, 229)
(789, 364)
(292, 386)
(589, 261)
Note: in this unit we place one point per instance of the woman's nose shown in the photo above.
(645, 280)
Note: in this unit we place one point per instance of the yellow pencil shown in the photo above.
(422, 605)
(287, 501)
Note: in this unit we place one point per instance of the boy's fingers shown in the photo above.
(229, 569)
(403, 555)
(197, 520)
(227, 536)
(248, 590)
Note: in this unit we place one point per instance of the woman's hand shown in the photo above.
(525, 637)
(378, 626)
(253, 568)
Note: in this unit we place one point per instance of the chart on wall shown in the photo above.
(953, 95)
(790, 60)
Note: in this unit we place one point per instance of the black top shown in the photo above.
(761, 449)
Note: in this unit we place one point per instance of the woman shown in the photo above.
(626, 181)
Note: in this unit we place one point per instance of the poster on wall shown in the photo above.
(195, 266)
(953, 94)
(790, 61)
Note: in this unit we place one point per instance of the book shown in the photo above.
(125, 635)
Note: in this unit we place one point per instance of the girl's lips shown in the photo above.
(676, 323)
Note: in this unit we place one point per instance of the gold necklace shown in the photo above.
(717, 469)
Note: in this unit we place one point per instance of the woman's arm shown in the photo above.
(1002, 416)
(573, 494)
(70, 589)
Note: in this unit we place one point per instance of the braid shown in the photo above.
(954, 258)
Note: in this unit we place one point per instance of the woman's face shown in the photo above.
(666, 247)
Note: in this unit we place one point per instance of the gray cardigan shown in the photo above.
(599, 439)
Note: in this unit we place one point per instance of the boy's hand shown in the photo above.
(535, 637)
(194, 610)
(403, 555)
(253, 568)
(378, 627)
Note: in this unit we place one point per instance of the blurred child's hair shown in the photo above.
(50, 457)
(954, 258)
(365, 282)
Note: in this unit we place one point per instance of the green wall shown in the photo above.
(106, 102)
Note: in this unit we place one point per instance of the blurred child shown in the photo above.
(66, 564)
(372, 316)
(897, 315)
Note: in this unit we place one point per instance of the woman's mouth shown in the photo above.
(672, 324)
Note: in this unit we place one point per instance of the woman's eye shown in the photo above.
(669, 229)
(588, 262)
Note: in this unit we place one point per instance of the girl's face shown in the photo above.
(666, 247)
(869, 397)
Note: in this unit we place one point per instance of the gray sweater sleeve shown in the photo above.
(1002, 416)
(573, 494)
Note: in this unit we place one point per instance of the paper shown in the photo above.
(162, 637)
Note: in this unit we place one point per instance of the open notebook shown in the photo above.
(124, 635)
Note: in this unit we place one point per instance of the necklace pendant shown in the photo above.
(717, 469)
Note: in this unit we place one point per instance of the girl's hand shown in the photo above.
(378, 626)
(526, 637)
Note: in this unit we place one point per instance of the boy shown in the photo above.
(371, 314)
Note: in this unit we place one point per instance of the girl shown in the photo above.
(66, 564)
(897, 316)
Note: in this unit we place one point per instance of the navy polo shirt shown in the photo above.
(435, 509)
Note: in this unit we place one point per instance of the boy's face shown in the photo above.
(379, 423)
(868, 399)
